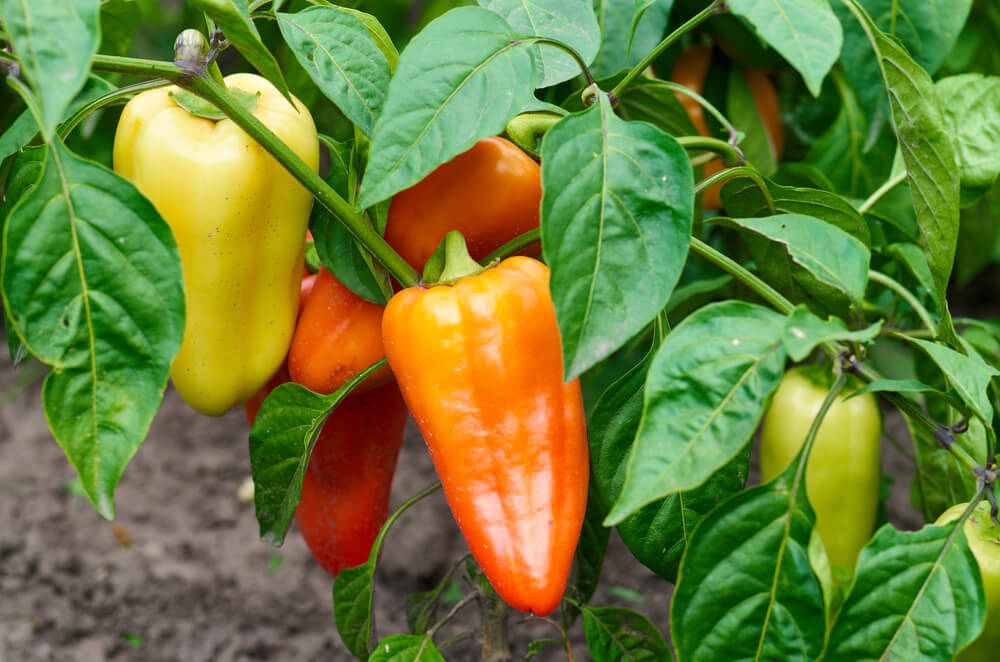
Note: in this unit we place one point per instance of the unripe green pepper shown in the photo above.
(984, 541)
(843, 473)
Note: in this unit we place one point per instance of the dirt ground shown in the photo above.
(181, 574)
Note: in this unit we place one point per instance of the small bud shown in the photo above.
(191, 47)
(589, 95)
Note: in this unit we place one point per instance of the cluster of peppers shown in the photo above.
(476, 359)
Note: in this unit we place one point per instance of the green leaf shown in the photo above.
(615, 634)
(659, 532)
(743, 198)
(200, 107)
(623, 46)
(805, 32)
(378, 33)
(569, 21)
(843, 153)
(804, 331)
(24, 128)
(828, 253)
(917, 597)
(462, 78)
(747, 589)
(55, 41)
(971, 106)
(898, 386)
(640, 8)
(741, 109)
(339, 251)
(352, 608)
(339, 54)
(705, 394)
(119, 19)
(92, 281)
(915, 261)
(926, 148)
(281, 440)
(925, 29)
(590, 549)
(969, 377)
(616, 223)
(233, 17)
(406, 648)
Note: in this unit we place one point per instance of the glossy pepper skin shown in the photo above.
(984, 540)
(480, 367)
(690, 70)
(339, 334)
(240, 222)
(345, 490)
(491, 194)
(843, 473)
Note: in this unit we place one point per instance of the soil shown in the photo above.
(181, 573)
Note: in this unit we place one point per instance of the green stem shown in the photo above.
(696, 20)
(895, 286)
(707, 105)
(744, 171)
(828, 401)
(105, 100)
(493, 616)
(893, 182)
(208, 89)
(731, 155)
(566, 48)
(514, 246)
(396, 514)
(742, 274)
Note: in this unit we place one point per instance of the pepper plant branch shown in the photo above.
(208, 89)
(892, 183)
(838, 386)
(514, 246)
(731, 154)
(745, 171)
(906, 295)
(718, 6)
(108, 99)
(707, 105)
(566, 48)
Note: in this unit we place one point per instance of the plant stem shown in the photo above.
(515, 245)
(454, 610)
(105, 100)
(895, 286)
(707, 105)
(493, 616)
(566, 48)
(742, 274)
(208, 89)
(882, 190)
(731, 155)
(745, 171)
(694, 22)
(828, 401)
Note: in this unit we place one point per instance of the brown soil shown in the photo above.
(181, 573)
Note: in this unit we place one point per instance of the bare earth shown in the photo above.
(181, 573)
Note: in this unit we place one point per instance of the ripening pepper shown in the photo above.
(480, 367)
(239, 219)
(843, 473)
(491, 194)
(984, 541)
(346, 486)
(339, 334)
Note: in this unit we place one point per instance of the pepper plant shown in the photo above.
(837, 234)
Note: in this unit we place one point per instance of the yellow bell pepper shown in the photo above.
(240, 221)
